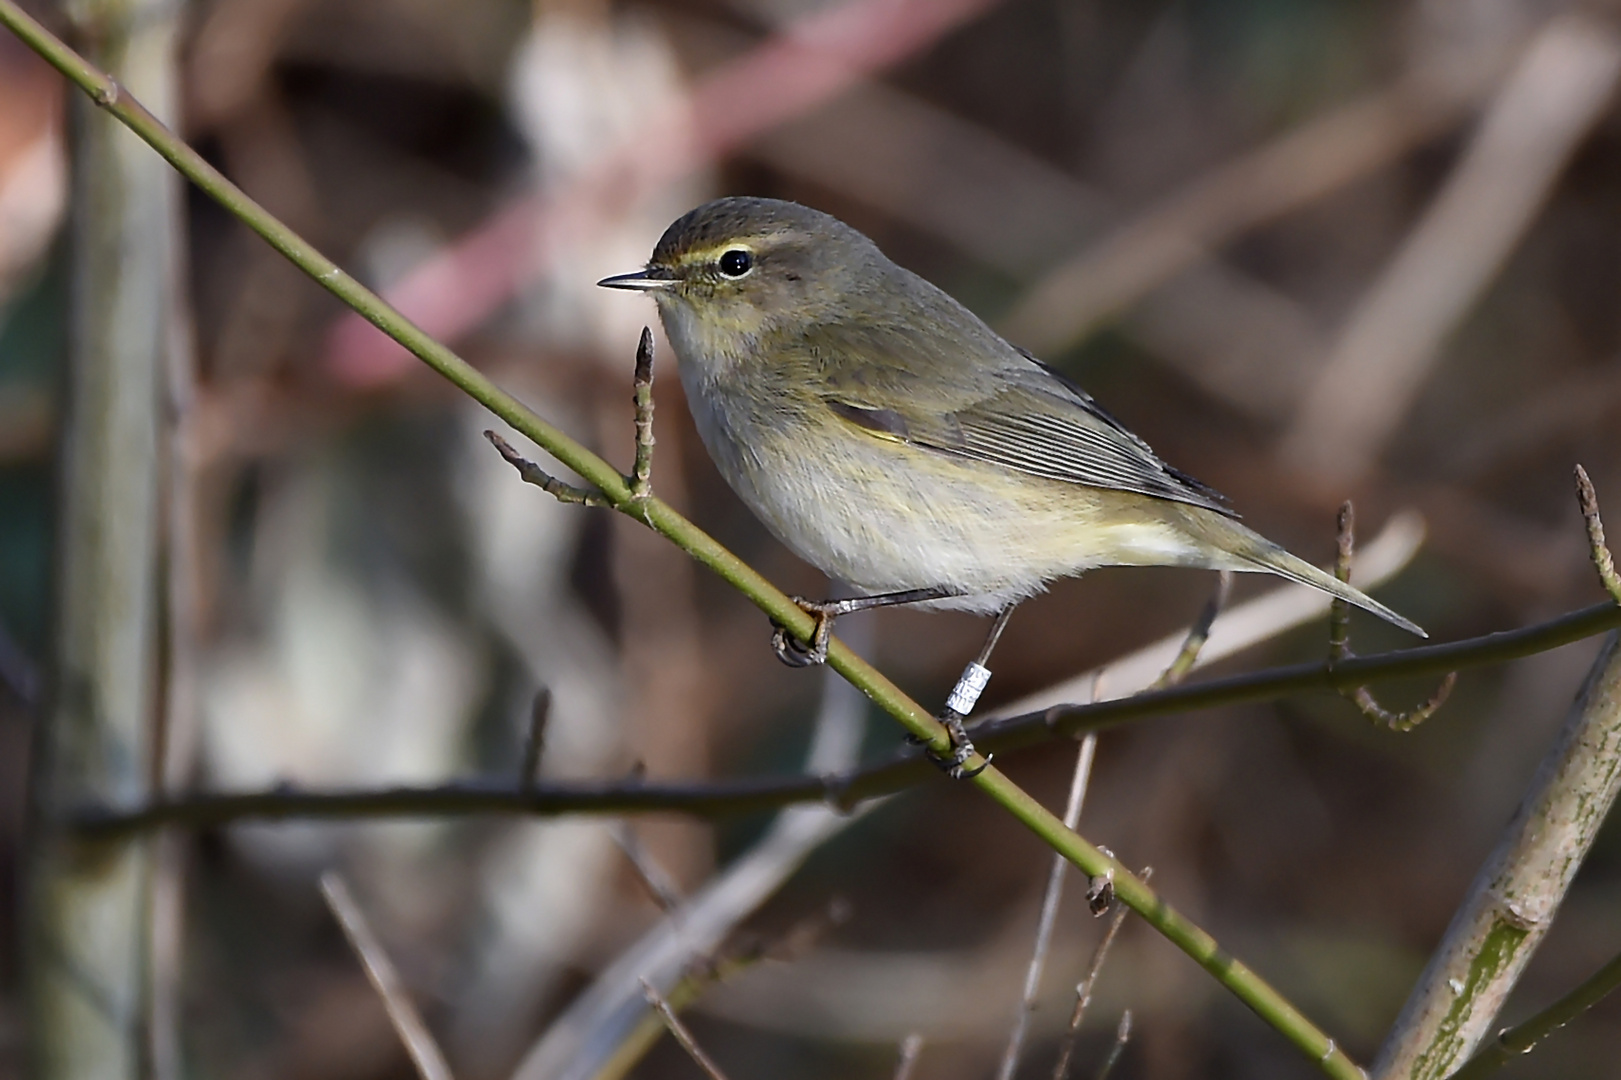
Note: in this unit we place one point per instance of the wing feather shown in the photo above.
(1015, 412)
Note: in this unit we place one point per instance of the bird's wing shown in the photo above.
(1011, 411)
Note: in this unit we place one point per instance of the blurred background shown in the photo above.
(1309, 250)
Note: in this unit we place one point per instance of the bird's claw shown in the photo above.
(955, 763)
(802, 654)
(793, 652)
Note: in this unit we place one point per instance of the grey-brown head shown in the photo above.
(740, 264)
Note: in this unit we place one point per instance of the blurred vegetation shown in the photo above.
(377, 597)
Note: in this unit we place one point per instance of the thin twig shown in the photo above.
(1084, 988)
(911, 1050)
(722, 798)
(419, 1042)
(1602, 562)
(658, 881)
(1198, 634)
(1122, 1035)
(682, 1035)
(641, 473)
(1523, 1038)
(534, 741)
(1048, 919)
(704, 972)
(1339, 644)
(551, 485)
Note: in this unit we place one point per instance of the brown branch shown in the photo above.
(1083, 992)
(682, 1035)
(843, 789)
(1122, 1035)
(535, 741)
(1048, 919)
(1339, 646)
(658, 881)
(408, 1024)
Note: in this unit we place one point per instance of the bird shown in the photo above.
(893, 440)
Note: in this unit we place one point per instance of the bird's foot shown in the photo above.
(954, 763)
(801, 654)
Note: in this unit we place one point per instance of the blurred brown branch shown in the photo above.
(1387, 348)
(843, 789)
(385, 979)
(1320, 157)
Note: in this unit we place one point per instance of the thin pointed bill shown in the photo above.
(654, 277)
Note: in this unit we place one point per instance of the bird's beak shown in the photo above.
(654, 277)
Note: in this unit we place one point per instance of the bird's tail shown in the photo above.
(1249, 547)
(1280, 562)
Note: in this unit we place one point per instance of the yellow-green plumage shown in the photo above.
(896, 442)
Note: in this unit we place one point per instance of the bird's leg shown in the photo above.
(961, 702)
(795, 653)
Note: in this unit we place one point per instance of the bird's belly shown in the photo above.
(884, 516)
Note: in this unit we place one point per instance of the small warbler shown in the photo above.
(894, 441)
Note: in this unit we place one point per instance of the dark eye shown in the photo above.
(736, 263)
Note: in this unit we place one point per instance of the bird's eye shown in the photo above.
(736, 262)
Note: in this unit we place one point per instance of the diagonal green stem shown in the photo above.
(1243, 982)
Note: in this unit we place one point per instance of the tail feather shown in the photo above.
(1273, 559)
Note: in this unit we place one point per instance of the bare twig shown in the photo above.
(841, 789)
(551, 485)
(1049, 912)
(658, 881)
(1514, 897)
(641, 473)
(1523, 1038)
(709, 971)
(682, 1035)
(639, 484)
(1083, 990)
(419, 1042)
(1122, 1035)
(1198, 634)
(604, 1031)
(1602, 561)
(534, 741)
(911, 1050)
(1339, 646)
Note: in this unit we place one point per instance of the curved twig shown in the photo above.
(1339, 644)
